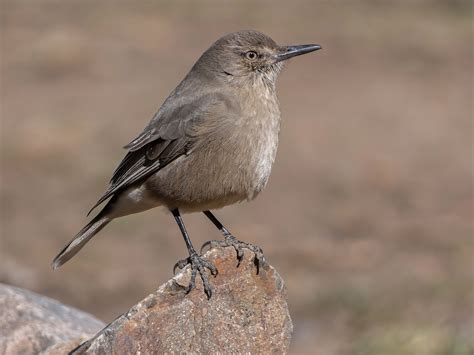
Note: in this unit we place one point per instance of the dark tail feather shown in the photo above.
(80, 239)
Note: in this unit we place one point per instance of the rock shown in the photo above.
(32, 324)
(247, 313)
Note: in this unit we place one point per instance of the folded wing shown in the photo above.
(168, 136)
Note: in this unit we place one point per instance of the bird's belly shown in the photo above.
(216, 174)
(191, 185)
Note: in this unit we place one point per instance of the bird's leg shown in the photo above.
(230, 240)
(197, 263)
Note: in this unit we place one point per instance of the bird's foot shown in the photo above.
(197, 264)
(231, 241)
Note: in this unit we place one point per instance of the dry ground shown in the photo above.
(367, 215)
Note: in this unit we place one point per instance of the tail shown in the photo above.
(80, 239)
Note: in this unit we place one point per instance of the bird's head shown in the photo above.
(249, 55)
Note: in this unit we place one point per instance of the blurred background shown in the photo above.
(368, 214)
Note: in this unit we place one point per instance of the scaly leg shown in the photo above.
(197, 263)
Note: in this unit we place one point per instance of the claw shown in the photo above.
(230, 240)
(180, 264)
(257, 264)
(192, 282)
(240, 255)
(205, 245)
(213, 270)
(259, 260)
(200, 265)
(207, 287)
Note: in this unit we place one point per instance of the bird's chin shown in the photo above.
(271, 71)
(278, 66)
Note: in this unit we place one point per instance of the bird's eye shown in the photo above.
(251, 55)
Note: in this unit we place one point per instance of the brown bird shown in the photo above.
(211, 144)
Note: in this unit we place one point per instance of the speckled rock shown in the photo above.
(33, 324)
(247, 313)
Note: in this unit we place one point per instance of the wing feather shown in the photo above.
(167, 137)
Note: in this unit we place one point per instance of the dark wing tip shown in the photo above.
(104, 197)
(141, 140)
(92, 209)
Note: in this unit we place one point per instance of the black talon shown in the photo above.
(192, 282)
(240, 256)
(207, 287)
(257, 264)
(230, 240)
(180, 264)
(213, 270)
(205, 245)
(208, 292)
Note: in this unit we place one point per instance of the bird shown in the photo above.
(211, 144)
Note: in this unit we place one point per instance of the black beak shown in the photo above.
(292, 51)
